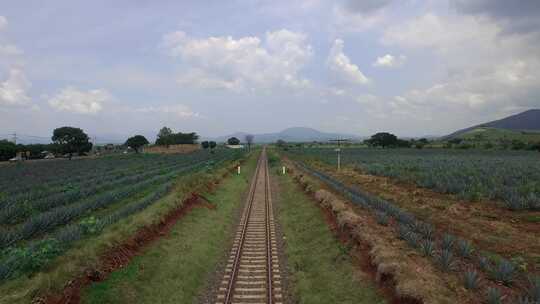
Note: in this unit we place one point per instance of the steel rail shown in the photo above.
(238, 254)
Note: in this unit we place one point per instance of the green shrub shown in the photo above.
(90, 225)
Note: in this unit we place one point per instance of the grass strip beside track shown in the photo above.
(320, 268)
(176, 268)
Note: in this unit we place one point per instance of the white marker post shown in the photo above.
(284, 170)
(238, 170)
(338, 150)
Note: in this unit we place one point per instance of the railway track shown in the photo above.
(252, 271)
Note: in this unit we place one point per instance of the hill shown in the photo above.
(296, 134)
(521, 124)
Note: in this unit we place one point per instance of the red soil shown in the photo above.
(362, 259)
(119, 256)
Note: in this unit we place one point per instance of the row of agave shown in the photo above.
(14, 212)
(31, 256)
(78, 180)
(34, 256)
(43, 222)
(511, 177)
(32, 176)
(445, 251)
(86, 172)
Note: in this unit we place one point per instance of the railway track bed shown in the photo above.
(252, 273)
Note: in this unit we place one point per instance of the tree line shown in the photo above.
(68, 141)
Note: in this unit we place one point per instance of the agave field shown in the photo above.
(510, 177)
(46, 206)
(495, 277)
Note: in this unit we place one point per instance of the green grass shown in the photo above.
(492, 134)
(176, 268)
(320, 268)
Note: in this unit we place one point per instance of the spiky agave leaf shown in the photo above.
(484, 264)
(447, 241)
(446, 260)
(533, 289)
(464, 248)
(427, 248)
(494, 296)
(413, 239)
(471, 279)
(504, 272)
(382, 218)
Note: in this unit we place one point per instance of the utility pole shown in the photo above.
(338, 150)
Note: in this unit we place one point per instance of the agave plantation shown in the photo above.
(46, 206)
(511, 177)
(508, 179)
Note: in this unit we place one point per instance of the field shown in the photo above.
(493, 135)
(511, 177)
(473, 214)
(45, 207)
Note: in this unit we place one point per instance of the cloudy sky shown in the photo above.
(355, 66)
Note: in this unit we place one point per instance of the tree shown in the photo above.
(166, 137)
(383, 139)
(164, 132)
(205, 144)
(184, 138)
(535, 146)
(233, 141)
(71, 140)
(212, 144)
(249, 140)
(402, 143)
(8, 150)
(137, 141)
(518, 144)
(281, 143)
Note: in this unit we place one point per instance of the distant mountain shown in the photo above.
(296, 134)
(524, 121)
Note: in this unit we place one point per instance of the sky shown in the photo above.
(125, 67)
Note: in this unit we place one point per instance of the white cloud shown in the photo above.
(442, 33)
(342, 66)
(14, 88)
(509, 84)
(178, 110)
(366, 6)
(9, 50)
(3, 22)
(346, 20)
(247, 63)
(73, 100)
(390, 61)
(13, 91)
(487, 71)
(201, 79)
